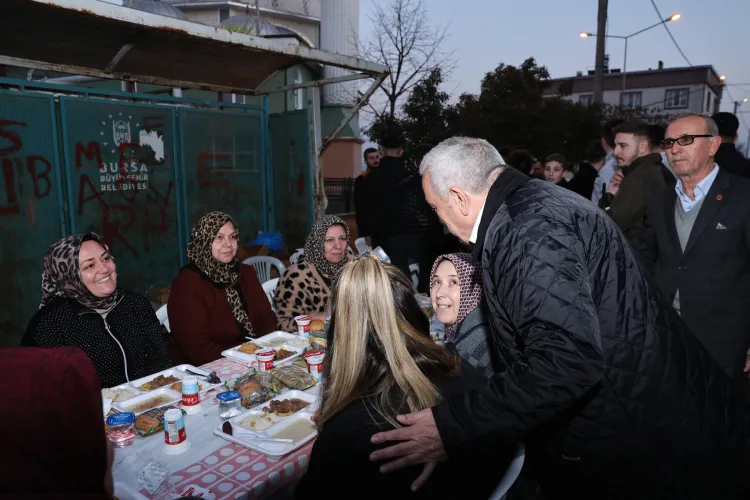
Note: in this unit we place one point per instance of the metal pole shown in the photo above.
(624, 66)
(736, 105)
(601, 32)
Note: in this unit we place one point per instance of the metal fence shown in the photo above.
(139, 170)
(340, 194)
(292, 186)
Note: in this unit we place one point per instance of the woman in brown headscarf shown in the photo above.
(215, 302)
(52, 431)
(305, 287)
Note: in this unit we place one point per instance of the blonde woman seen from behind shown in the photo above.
(382, 363)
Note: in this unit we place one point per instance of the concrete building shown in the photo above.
(695, 89)
(331, 25)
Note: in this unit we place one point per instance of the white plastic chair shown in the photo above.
(270, 288)
(263, 266)
(514, 470)
(161, 315)
(414, 270)
(296, 255)
(361, 245)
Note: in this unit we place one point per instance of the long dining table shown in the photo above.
(225, 469)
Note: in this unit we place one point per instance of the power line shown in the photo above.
(661, 18)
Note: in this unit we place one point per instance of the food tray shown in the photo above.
(274, 339)
(178, 372)
(136, 384)
(274, 450)
(122, 387)
(206, 386)
(250, 359)
(170, 397)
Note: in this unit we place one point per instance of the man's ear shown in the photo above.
(462, 200)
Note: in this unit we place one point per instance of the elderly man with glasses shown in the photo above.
(696, 243)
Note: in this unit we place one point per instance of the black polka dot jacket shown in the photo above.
(128, 344)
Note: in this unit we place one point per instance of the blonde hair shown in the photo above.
(380, 348)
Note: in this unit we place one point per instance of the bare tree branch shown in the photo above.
(404, 40)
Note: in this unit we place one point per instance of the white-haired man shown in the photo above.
(613, 395)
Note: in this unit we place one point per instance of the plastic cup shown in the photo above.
(190, 395)
(175, 436)
(265, 359)
(315, 363)
(121, 429)
(303, 325)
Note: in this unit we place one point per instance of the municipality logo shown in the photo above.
(121, 132)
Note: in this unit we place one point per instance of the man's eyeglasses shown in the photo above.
(683, 140)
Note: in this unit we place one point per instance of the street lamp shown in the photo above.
(737, 104)
(673, 17)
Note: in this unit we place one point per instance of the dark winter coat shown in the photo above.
(731, 160)
(713, 273)
(398, 205)
(612, 394)
(129, 344)
(472, 342)
(645, 176)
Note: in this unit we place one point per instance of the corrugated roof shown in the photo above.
(100, 39)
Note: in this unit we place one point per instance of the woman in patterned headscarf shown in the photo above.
(215, 302)
(83, 307)
(305, 287)
(457, 298)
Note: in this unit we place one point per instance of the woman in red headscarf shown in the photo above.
(51, 425)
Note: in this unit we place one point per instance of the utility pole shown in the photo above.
(736, 105)
(601, 32)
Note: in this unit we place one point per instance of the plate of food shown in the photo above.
(206, 380)
(285, 353)
(257, 420)
(279, 427)
(275, 339)
(120, 393)
(158, 380)
(150, 400)
(290, 402)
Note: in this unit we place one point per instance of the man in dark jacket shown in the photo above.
(364, 207)
(641, 174)
(696, 243)
(727, 157)
(613, 395)
(583, 181)
(402, 223)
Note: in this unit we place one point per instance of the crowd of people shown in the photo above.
(600, 319)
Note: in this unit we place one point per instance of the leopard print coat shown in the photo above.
(301, 290)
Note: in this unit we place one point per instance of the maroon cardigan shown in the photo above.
(201, 321)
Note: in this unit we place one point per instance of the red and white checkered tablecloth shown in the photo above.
(233, 471)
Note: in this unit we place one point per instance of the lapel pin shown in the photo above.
(719, 197)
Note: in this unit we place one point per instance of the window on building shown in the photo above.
(708, 101)
(676, 98)
(630, 100)
(586, 99)
(223, 15)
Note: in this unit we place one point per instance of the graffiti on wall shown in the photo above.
(16, 166)
(117, 178)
